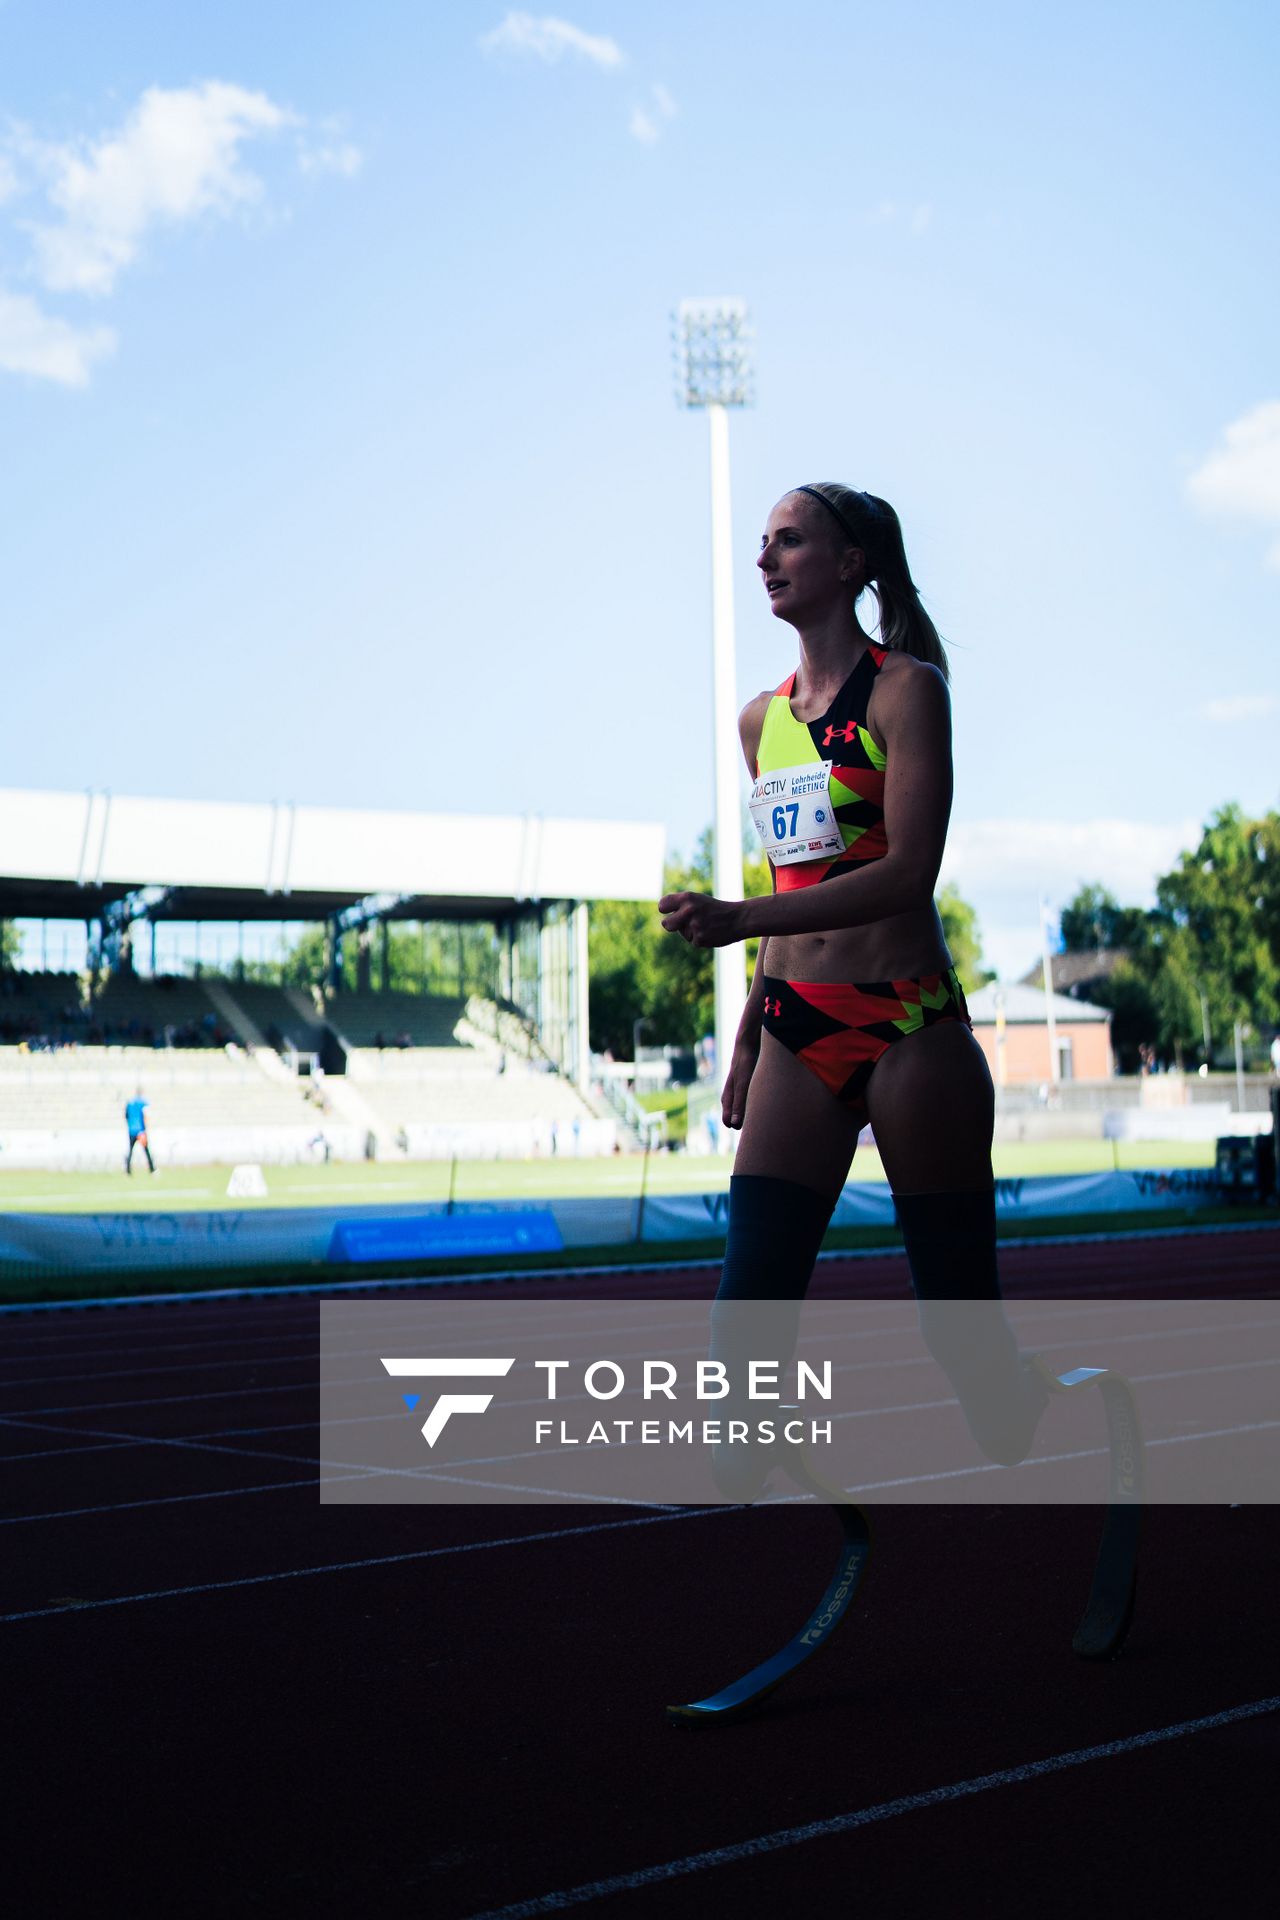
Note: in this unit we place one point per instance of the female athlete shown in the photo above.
(855, 1012)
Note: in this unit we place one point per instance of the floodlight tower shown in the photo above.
(713, 370)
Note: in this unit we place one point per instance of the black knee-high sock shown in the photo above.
(951, 1249)
(775, 1230)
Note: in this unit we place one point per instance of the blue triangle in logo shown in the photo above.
(410, 1400)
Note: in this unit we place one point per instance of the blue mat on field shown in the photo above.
(431, 1236)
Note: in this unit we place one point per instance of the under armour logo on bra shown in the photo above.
(845, 733)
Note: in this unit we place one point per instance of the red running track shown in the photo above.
(222, 1697)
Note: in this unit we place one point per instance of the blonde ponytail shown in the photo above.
(872, 524)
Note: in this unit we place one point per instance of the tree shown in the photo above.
(1214, 931)
(640, 972)
(960, 928)
(10, 944)
(1095, 922)
(1136, 1017)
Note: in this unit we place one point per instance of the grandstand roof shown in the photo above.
(65, 855)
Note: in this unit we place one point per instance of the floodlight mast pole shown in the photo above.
(730, 967)
(713, 371)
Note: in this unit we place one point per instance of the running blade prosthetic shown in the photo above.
(1108, 1613)
(741, 1697)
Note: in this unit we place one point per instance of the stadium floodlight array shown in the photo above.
(711, 342)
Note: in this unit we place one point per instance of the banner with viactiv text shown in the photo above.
(37, 1244)
(669, 1402)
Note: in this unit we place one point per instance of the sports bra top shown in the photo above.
(818, 799)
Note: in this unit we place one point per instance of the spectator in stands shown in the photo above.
(135, 1118)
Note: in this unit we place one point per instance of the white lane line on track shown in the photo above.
(379, 1560)
(301, 1323)
(250, 1391)
(428, 1475)
(178, 1399)
(442, 1339)
(208, 1446)
(1030, 1313)
(358, 1470)
(293, 1327)
(311, 1482)
(209, 1296)
(172, 1500)
(839, 1823)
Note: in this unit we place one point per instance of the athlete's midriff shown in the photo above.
(903, 948)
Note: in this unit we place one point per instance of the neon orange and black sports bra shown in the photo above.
(818, 800)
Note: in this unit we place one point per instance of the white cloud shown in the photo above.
(1241, 477)
(550, 38)
(176, 157)
(892, 213)
(35, 342)
(338, 156)
(1004, 867)
(1241, 706)
(1031, 857)
(645, 122)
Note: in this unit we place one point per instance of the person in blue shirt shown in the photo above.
(135, 1118)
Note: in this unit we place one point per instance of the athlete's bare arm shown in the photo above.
(750, 727)
(913, 719)
(747, 1043)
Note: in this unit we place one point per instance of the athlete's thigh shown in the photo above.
(794, 1129)
(931, 1105)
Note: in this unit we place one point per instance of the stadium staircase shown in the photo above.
(350, 1108)
(459, 1076)
(235, 1018)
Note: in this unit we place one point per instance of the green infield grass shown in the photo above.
(382, 1183)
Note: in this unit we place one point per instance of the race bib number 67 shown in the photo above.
(793, 814)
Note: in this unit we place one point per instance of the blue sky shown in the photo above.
(342, 462)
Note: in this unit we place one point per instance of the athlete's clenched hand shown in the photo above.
(702, 920)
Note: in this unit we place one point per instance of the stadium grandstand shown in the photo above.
(492, 1058)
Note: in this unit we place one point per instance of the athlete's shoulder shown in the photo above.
(897, 665)
(752, 715)
(909, 694)
(906, 679)
(751, 726)
(751, 719)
